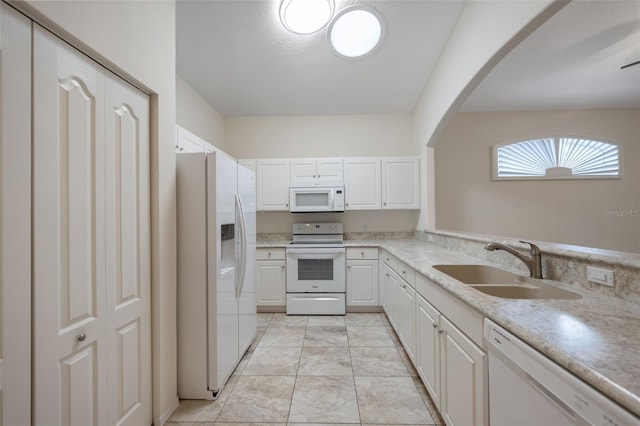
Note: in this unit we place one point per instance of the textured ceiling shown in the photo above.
(237, 55)
(242, 61)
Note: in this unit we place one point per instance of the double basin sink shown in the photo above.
(499, 283)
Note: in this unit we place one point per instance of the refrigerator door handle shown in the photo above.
(243, 247)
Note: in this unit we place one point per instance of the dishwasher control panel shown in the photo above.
(519, 374)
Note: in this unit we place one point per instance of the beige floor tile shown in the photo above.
(326, 320)
(435, 413)
(196, 410)
(326, 336)
(283, 336)
(259, 399)
(273, 361)
(325, 361)
(324, 400)
(393, 400)
(364, 320)
(281, 319)
(377, 362)
(369, 336)
(264, 318)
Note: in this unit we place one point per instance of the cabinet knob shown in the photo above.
(269, 254)
(440, 331)
(385, 204)
(283, 267)
(404, 286)
(435, 325)
(81, 337)
(362, 254)
(349, 267)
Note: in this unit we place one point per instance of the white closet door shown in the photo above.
(128, 279)
(68, 234)
(92, 332)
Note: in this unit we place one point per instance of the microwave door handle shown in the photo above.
(332, 199)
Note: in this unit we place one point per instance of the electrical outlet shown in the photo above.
(600, 276)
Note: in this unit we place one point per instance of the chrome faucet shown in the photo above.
(533, 261)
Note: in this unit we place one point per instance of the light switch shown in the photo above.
(600, 276)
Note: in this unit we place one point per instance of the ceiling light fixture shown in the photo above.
(355, 32)
(306, 16)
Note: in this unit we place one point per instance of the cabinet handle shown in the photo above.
(81, 337)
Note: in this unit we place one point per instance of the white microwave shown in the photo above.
(325, 198)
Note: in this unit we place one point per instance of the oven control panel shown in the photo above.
(317, 228)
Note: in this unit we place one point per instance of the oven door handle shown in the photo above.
(315, 253)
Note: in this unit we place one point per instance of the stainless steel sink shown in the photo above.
(499, 283)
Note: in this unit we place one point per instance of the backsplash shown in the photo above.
(564, 263)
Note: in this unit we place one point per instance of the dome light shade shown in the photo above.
(306, 16)
(355, 32)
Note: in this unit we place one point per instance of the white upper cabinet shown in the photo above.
(316, 171)
(187, 142)
(249, 163)
(273, 184)
(362, 183)
(400, 183)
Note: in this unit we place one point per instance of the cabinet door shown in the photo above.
(406, 318)
(273, 184)
(330, 170)
(463, 365)
(362, 283)
(391, 284)
(400, 183)
(362, 184)
(428, 347)
(303, 170)
(188, 142)
(271, 275)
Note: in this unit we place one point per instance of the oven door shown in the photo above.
(316, 270)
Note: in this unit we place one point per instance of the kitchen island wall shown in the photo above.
(587, 212)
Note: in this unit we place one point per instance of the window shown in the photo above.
(557, 158)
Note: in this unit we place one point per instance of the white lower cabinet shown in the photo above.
(463, 368)
(407, 318)
(271, 277)
(362, 277)
(389, 288)
(452, 367)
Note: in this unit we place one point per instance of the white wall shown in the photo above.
(562, 211)
(136, 40)
(320, 136)
(198, 116)
(485, 32)
(325, 136)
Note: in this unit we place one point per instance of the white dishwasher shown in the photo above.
(527, 388)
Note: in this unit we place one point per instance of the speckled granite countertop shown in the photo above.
(597, 337)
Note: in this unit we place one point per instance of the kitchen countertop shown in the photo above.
(597, 337)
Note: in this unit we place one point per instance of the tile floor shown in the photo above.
(322, 370)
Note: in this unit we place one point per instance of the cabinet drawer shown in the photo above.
(390, 260)
(270, 254)
(408, 274)
(355, 253)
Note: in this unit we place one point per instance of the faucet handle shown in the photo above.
(535, 250)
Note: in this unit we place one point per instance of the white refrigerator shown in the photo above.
(216, 201)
